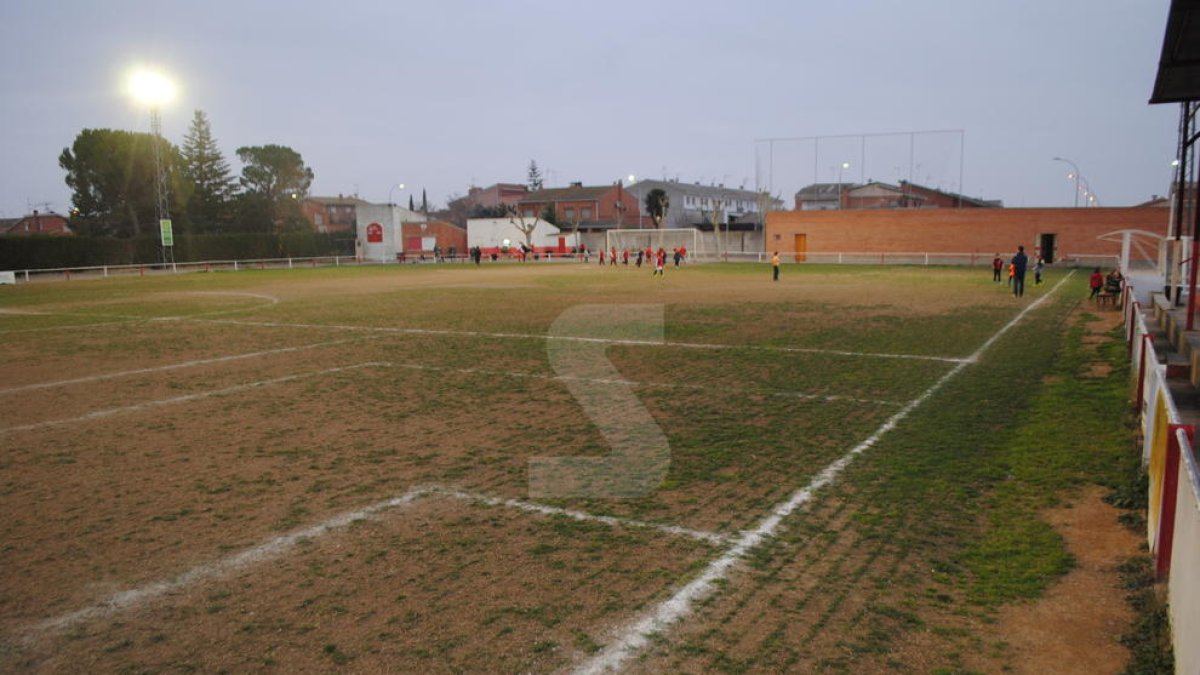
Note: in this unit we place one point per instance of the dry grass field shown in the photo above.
(310, 470)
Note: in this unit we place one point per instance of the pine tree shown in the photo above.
(410, 204)
(535, 177)
(424, 203)
(208, 176)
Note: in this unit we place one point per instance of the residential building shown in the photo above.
(36, 223)
(332, 214)
(932, 198)
(822, 196)
(594, 208)
(693, 205)
(500, 194)
(878, 195)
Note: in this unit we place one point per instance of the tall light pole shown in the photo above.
(843, 167)
(1074, 175)
(154, 89)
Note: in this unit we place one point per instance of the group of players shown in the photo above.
(645, 255)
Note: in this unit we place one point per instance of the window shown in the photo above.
(318, 219)
(527, 212)
(570, 213)
(585, 213)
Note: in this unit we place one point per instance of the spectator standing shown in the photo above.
(1019, 262)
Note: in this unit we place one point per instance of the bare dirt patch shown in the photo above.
(1075, 627)
(438, 585)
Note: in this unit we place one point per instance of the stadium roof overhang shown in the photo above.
(1178, 77)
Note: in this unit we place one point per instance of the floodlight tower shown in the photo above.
(153, 89)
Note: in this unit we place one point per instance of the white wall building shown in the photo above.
(501, 232)
(378, 229)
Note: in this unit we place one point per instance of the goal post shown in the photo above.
(668, 238)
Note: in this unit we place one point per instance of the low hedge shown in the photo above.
(50, 252)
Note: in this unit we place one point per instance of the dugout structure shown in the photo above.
(669, 239)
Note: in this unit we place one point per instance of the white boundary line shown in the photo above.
(613, 521)
(645, 385)
(635, 636)
(569, 338)
(181, 399)
(172, 366)
(267, 550)
(124, 318)
(277, 546)
(108, 412)
(13, 311)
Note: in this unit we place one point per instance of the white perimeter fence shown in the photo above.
(849, 258)
(1173, 509)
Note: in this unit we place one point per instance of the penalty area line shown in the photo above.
(634, 637)
(715, 346)
(183, 399)
(173, 366)
(277, 546)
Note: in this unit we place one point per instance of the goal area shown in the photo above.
(667, 238)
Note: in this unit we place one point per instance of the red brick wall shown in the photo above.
(447, 235)
(984, 231)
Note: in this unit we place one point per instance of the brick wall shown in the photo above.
(448, 235)
(985, 231)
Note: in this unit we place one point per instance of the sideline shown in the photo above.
(634, 637)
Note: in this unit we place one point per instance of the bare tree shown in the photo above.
(520, 221)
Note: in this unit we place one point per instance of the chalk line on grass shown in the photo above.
(534, 507)
(125, 318)
(646, 385)
(267, 550)
(598, 340)
(635, 636)
(172, 366)
(182, 399)
(278, 546)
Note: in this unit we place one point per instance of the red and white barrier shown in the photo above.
(1173, 505)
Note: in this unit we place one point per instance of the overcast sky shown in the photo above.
(442, 95)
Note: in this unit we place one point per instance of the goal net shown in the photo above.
(667, 238)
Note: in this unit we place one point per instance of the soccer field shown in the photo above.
(300, 470)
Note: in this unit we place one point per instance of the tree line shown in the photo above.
(112, 177)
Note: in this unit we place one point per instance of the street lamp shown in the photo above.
(843, 167)
(154, 89)
(1074, 175)
(392, 191)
